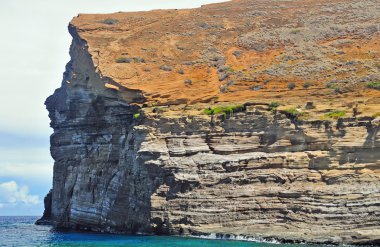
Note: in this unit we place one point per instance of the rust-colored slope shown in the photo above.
(239, 51)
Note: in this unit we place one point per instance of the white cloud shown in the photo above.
(12, 193)
(32, 164)
(30, 172)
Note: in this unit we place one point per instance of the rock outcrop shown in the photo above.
(129, 159)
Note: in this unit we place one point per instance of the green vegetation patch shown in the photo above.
(293, 112)
(307, 85)
(124, 60)
(336, 114)
(109, 21)
(225, 110)
(374, 85)
(291, 85)
(295, 31)
(274, 105)
(136, 115)
(130, 60)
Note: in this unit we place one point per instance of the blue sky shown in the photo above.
(34, 49)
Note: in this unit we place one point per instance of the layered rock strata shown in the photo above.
(122, 166)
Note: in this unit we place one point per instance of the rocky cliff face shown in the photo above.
(125, 166)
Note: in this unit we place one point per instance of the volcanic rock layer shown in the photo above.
(125, 163)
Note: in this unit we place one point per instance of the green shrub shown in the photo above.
(336, 114)
(166, 68)
(225, 110)
(181, 71)
(208, 111)
(109, 21)
(307, 85)
(374, 85)
(291, 85)
(295, 31)
(331, 85)
(123, 60)
(274, 105)
(130, 60)
(136, 115)
(292, 112)
(338, 90)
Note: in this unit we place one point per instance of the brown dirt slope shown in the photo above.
(244, 51)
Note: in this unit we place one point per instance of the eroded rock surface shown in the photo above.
(125, 166)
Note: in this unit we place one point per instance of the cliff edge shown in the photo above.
(247, 118)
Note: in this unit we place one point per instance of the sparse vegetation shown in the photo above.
(138, 60)
(295, 31)
(224, 72)
(166, 68)
(293, 112)
(136, 115)
(223, 76)
(159, 110)
(180, 48)
(291, 85)
(307, 85)
(204, 25)
(130, 60)
(109, 21)
(274, 105)
(188, 81)
(309, 105)
(223, 88)
(236, 53)
(226, 69)
(230, 83)
(189, 63)
(266, 81)
(256, 88)
(330, 85)
(181, 71)
(335, 86)
(124, 60)
(225, 110)
(374, 85)
(336, 114)
(338, 90)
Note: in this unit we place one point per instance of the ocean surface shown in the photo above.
(21, 231)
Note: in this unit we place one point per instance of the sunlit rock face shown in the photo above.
(128, 163)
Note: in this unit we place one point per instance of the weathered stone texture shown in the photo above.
(256, 173)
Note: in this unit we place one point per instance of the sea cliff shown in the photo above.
(244, 118)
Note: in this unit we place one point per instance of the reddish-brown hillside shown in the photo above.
(244, 51)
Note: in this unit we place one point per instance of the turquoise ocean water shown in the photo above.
(21, 231)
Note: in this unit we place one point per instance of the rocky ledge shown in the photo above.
(127, 161)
